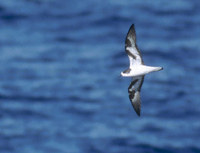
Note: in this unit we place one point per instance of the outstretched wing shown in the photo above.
(134, 93)
(131, 48)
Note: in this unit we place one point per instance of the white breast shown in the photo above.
(139, 70)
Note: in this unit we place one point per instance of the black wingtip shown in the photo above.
(137, 112)
(131, 34)
(137, 105)
(132, 27)
(135, 100)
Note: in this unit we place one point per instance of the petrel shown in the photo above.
(137, 70)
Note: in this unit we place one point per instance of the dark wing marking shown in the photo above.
(127, 71)
(141, 83)
(131, 47)
(134, 93)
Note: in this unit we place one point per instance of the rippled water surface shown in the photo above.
(60, 84)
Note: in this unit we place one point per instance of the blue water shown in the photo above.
(60, 84)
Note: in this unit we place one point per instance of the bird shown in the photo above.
(137, 69)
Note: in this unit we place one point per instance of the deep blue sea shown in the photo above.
(60, 84)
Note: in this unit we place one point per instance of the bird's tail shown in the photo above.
(152, 69)
(158, 68)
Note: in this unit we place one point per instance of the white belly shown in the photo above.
(139, 70)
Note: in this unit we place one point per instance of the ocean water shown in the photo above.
(60, 84)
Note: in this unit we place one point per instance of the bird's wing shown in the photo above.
(134, 93)
(131, 48)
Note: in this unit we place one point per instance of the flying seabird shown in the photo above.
(137, 70)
